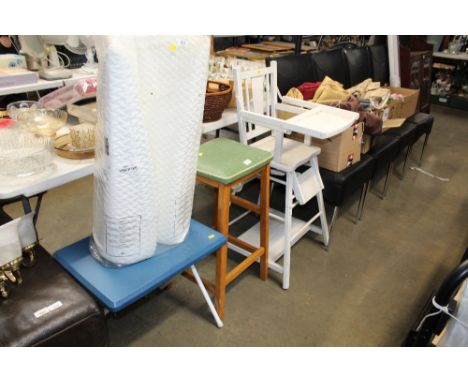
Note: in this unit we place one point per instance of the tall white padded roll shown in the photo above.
(173, 71)
(125, 208)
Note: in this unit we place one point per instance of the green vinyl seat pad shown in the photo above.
(225, 161)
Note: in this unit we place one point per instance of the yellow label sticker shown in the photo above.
(212, 236)
(172, 47)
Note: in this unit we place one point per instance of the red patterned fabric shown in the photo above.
(308, 89)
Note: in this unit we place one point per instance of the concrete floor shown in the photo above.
(366, 291)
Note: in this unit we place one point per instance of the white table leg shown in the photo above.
(206, 296)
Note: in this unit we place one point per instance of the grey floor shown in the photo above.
(367, 290)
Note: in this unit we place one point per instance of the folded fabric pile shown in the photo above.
(308, 89)
(330, 91)
(365, 98)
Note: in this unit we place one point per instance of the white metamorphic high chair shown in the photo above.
(257, 105)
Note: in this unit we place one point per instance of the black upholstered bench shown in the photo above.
(50, 309)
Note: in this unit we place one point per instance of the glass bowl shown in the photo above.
(23, 153)
(42, 121)
(14, 108)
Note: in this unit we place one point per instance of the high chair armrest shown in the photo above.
(290, 108)
(304, 123)
(313, 105)
(299, 102)
(267, 121)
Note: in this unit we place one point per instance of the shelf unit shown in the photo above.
(453, 101)
(416, 73)
(44, 84)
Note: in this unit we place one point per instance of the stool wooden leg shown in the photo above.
(215, 208)
(264, 219)
(224, 193)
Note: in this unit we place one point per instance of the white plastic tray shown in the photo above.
(320, 121)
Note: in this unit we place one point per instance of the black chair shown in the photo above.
(293, 70)
(379, 62)
(424, 122)
(359, 66)
(384, 151)
(407, 136)
(331, 63)
(341, 185)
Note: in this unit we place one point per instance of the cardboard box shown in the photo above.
(281, 114)
(390, 111)
(339, 152)
(393, 123)
(409, 104)
(395, 113)
(368, 140)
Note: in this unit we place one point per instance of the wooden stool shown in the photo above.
(224, 164)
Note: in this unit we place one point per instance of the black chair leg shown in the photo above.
(422, 151)
(408, 152)
(333, 219)
(330, 227)
(385, 189)
(362, 200)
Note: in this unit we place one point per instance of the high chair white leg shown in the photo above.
(321, 205)
(323, 219)
(287, 229)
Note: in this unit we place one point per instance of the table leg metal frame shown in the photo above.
(206, 296)
(26, 203)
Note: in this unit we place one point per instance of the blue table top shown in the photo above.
(117, 288)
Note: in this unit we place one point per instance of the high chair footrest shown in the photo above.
(306, 185)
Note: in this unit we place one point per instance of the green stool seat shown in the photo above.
(226, 161)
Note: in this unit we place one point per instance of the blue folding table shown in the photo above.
(117, 288)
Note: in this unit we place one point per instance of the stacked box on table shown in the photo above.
(410, 101)
(395, 113)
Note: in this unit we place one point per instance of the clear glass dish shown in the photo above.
(14, 108)
(23, 153)
(42, 121)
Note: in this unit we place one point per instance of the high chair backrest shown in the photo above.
(256, 91)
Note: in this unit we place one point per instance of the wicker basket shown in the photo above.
(218, 95)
